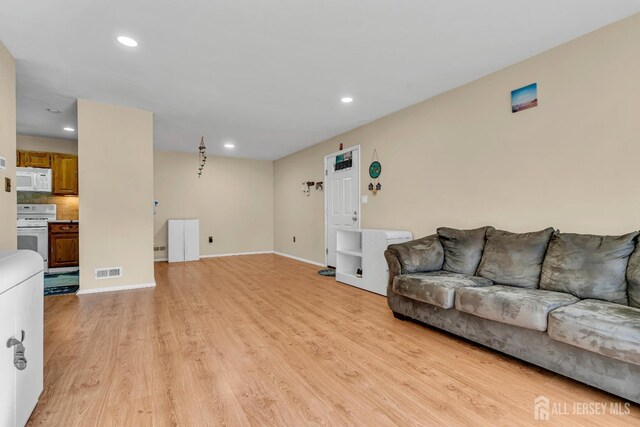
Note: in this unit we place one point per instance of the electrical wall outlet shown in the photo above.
(7, 184)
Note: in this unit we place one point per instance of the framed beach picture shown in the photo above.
(524, 98)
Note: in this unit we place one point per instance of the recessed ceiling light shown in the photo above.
(127, 41)
(229, 145)
(53, 110)
(346, 100)
(69, 129)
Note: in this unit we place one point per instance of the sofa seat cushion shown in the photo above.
(437, 288)
(603, 327)
(524, 307)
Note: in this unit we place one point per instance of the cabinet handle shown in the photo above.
(19, 361)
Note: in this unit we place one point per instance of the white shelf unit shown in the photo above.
(364, 250)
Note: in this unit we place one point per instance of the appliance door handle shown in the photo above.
(19, 361)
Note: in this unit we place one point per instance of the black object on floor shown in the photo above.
(61, 290)
(329, 272)
(60, 284)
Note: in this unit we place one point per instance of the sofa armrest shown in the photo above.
(395, 269)
(420, 255)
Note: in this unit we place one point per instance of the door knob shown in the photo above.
(19, 361)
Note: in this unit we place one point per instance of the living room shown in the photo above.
(504, 161)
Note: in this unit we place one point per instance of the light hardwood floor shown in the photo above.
(265, 340)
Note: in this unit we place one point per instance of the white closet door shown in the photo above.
(176, 240)
(191, 240)
(29, 318)
(7, 370)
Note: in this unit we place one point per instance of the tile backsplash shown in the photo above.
(67, 206)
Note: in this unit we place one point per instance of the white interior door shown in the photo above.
(342, 198)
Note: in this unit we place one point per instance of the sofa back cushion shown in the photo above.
(633, 277)
(514, 259)
(420, 255)
(588, 266)
(462, 249)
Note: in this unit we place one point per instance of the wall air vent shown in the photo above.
(108, 273)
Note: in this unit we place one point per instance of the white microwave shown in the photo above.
(33, 179)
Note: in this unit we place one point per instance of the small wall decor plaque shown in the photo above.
(524, 98)
(343, 161)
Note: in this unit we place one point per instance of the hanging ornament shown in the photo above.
(202, 156)
(375, 169)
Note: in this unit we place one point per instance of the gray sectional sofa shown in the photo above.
(566, 302)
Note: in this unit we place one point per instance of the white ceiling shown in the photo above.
(268, 75)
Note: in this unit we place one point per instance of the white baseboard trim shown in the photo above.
(308, 261)
(116, 288)
(236, 254)
(221, 255)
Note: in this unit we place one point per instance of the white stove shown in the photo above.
(33, 233)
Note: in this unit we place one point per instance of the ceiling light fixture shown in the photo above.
(127, 41)
(69, 129)
(346, 100)
(229, 145)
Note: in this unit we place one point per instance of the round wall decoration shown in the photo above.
(375, 169)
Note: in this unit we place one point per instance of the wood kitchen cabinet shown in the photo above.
(33, 159)
(63, 244)
(64, 169)
(65, 174)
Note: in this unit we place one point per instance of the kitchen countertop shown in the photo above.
(65, 221)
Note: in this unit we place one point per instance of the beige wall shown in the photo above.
(115, 145)
(233, 200)
(52, 145)
(463, 159)
(8, 239)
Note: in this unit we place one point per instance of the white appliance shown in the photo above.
(363, 251)
(21, 335)
(33, 233)
(184, 240)
(33, 179)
